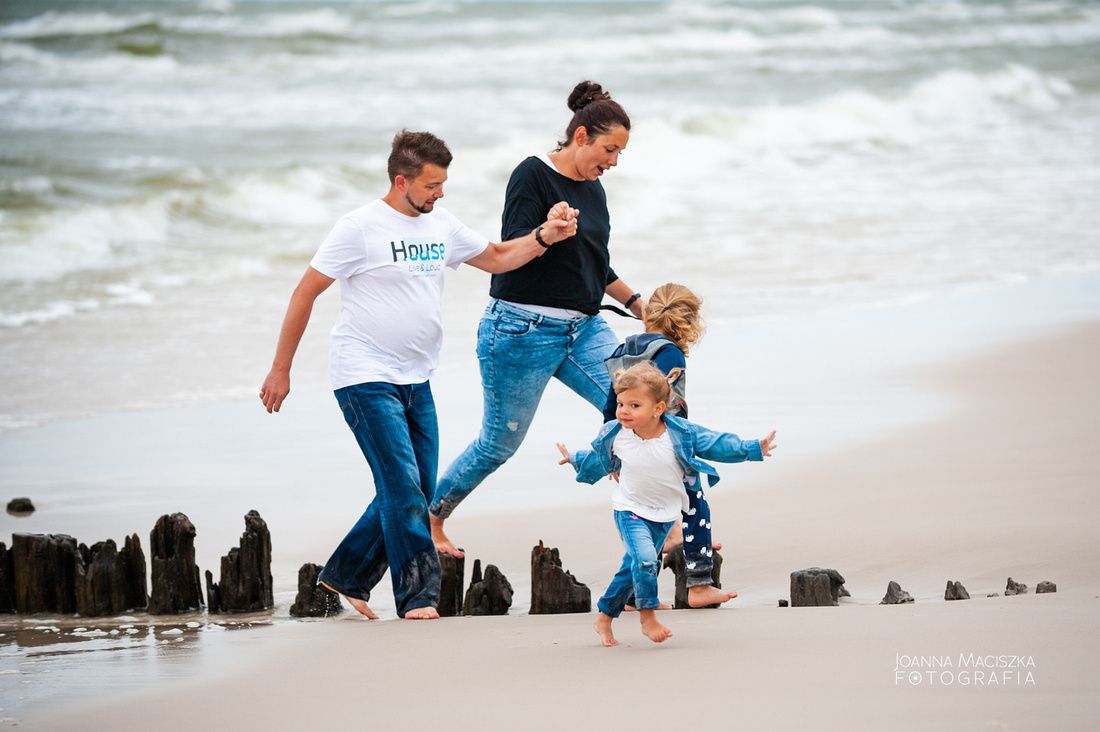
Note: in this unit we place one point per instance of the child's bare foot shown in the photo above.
(355, 602)
(422, 613)
(662, 606)
(602, 626)
(652, 628)
(703, 595)
(443, 545)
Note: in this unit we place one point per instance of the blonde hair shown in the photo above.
(673, 310)
(648, 378)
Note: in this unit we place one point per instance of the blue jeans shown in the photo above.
(519, 353)
(396, 428)
(642, 539)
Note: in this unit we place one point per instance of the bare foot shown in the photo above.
(631, 608)
(674, 539)
(652, 628)
(443, 545)
(355, 602)
(703, 595)
(422, 613)
(602, 626)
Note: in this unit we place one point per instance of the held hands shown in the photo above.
(565, 454)
(561, 223)
(768, 444)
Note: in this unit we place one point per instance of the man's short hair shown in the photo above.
(413, 150)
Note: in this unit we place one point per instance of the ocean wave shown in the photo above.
(55, 24)
(860, 116)
(36, 246)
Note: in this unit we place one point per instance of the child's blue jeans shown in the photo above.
(642, 540)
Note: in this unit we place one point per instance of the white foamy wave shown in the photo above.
(301, 196)
(323, 22)
(52, 24)
(858, 116)
(49, 312)
(36, 246)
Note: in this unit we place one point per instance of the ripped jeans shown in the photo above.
(519, 352)
(642, 540)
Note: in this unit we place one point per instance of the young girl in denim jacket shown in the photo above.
(672, 326)
(656, 456)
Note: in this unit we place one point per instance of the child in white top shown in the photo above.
(650, 493)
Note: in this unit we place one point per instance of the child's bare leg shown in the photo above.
(675, 537)
(602, 626)
(443, 545)
(422, 613)
(355, 602)
(703, 595)
(652, 628)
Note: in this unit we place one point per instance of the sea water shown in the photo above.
(167, 168)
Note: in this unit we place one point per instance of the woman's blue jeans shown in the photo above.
(397, 430)
(642, 540)
(519, 353)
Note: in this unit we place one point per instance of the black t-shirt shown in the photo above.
(574, 272)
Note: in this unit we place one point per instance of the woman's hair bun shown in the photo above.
(584, 94)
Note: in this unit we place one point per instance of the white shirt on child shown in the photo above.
(651, 482)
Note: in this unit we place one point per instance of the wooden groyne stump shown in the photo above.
(488, 595)
(109, 581)
(450, 588)
(44, 573)
(553, 589)
(175, 576)
(314, 600)
(246, 583)
(816, 587)
(895, 595)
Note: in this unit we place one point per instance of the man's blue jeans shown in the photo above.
(396, 428)
(642, 539)
(519, 353)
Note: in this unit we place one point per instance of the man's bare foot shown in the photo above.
(652, 628)
(602, 626)
(703, 595)
(422, 613)
(355, 602)
(443, 545)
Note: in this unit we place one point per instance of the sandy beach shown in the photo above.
(1001, 482)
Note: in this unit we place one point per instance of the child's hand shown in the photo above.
(768, 444)
(565, 454)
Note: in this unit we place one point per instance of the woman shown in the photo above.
(543, 319)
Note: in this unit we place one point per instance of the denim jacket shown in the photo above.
(691, 443)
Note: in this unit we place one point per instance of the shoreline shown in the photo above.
(999, 486)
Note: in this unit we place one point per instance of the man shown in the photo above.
(389, 257)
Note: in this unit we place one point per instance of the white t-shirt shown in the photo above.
(390, 267)
(651, 482)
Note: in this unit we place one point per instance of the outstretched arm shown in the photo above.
(561, 223)
(277, 384)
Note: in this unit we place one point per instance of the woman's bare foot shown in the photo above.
(443, 545)
(355, 602)
(652, 628)
(602, 626)
(703, 595)
(422, 613)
